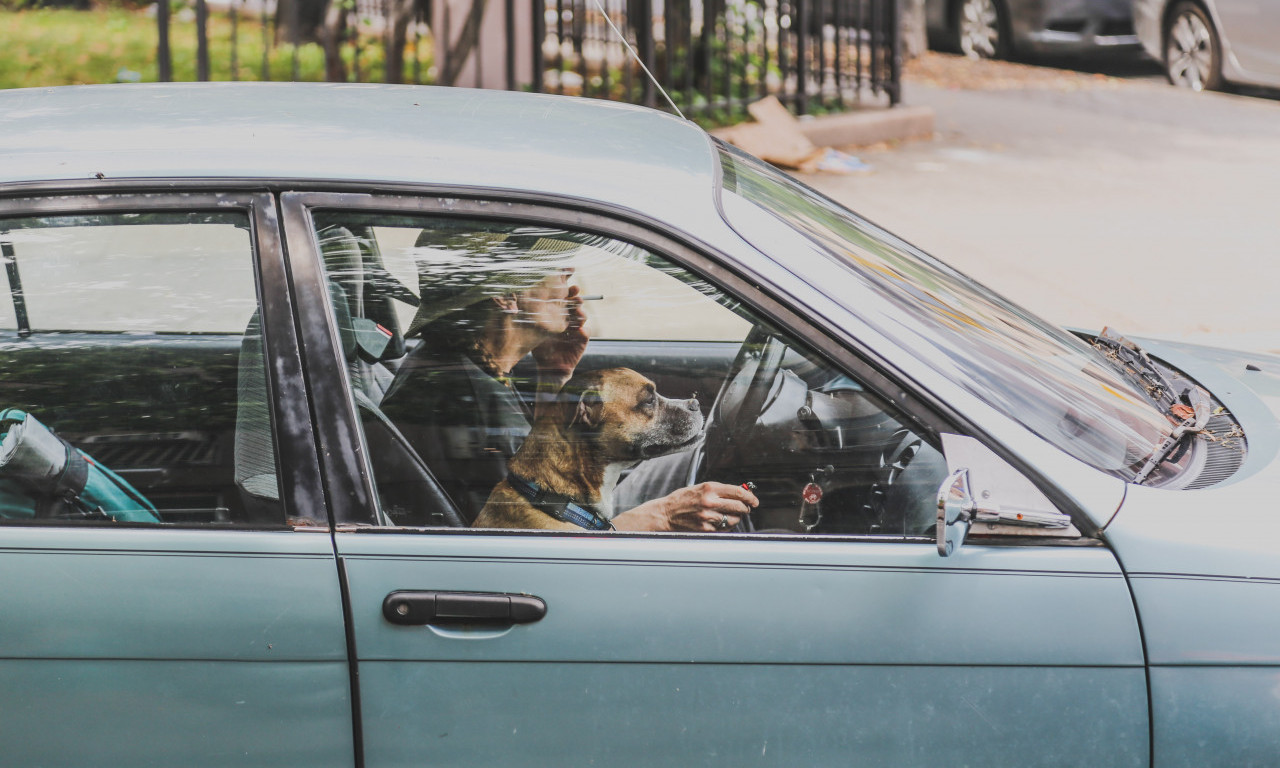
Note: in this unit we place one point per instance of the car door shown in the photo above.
(180, 604)
(833, 634)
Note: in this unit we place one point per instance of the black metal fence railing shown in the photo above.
(711, 57)
(718, 55)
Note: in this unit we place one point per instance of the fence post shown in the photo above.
(707, 44)
(578, 31)
(875, 68)
(388, 37)
(511, 44)
(266, 43)
(295, 22)
(647, 51)
(539, 37)
(801, 25)
(202, 41)
(895, 53)
(164, 58)
(560, 47)
(819, 21)
(235, 39)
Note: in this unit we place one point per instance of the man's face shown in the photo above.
(546, 304)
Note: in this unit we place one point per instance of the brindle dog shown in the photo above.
(604, 422)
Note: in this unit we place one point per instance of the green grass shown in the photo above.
(46, 47)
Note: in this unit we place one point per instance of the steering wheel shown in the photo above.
(737, 406)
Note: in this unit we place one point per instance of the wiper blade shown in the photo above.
(1133, 361)
(1191, 425)
(1183, 400)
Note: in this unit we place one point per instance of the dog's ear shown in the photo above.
(587, 410)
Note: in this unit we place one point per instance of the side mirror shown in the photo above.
(955, 510)
(1006, 502)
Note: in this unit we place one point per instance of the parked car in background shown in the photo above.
(989, 29)
(980, 539)
(1206, 44)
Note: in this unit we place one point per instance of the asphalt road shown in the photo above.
(1094, 200)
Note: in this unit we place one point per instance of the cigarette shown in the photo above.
(592, 297)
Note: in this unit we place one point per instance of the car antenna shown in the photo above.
(635, 56)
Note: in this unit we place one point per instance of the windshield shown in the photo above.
(1036, 373)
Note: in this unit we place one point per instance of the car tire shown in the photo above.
(1192, 49)
(979, 29)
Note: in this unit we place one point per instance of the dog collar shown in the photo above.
(561, 507)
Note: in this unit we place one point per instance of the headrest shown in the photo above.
(363, 295)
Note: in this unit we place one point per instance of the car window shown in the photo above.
(132, 378)
(543, 377)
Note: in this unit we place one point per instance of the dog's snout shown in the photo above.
(692, 404)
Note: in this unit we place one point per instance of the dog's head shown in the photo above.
(623, 414)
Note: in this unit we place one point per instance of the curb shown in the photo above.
(869, 126)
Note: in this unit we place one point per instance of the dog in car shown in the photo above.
(603, 423)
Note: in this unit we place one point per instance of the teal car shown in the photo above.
(257, 416)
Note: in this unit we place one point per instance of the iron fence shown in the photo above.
(711, 57)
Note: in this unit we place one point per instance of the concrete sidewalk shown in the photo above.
(1101, 202)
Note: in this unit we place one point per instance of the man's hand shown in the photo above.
(707, 507)
(558, 356)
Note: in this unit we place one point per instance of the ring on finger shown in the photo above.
(724, 522)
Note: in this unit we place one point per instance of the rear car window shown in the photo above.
(132, 374)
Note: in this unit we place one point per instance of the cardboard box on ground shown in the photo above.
(776, 138)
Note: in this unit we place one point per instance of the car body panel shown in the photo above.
(190, 713)
(1236, 620)
(1066, 27)
(679, 713)
(1253, 27)
(238, 636)
(1072, 26)
(1210, 591)
(1198, 710)
(672, 626)
(1206, 582)
(1148, 23)
(638, 158)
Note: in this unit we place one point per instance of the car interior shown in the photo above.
(782, 419)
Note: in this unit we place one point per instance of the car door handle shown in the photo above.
(416, 607)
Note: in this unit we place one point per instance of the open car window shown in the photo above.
(132, 374)
(458, 335)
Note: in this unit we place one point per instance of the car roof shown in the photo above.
(599, 150)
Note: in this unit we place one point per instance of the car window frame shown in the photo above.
(350, 483)
(297, 462)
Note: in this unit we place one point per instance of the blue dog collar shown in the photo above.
(561, 507)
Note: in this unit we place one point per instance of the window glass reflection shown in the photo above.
(548, 378)
(132, 376)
